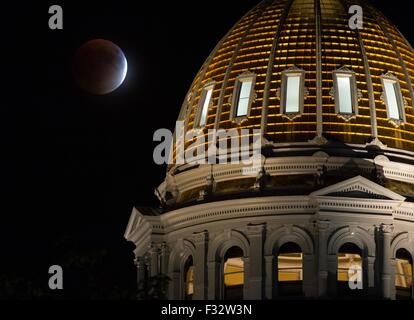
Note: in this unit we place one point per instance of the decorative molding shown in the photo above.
(240, 120)
(195, 177)
(359, 184)
(319, 140)
(387, 228)
(377, 142)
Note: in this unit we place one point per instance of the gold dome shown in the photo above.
(281, 35)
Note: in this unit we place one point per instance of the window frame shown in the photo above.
(355, 93)
(200, 107)
(400, 99)
(294, 71)
(244, 77)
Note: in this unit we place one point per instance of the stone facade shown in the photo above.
(379, 222)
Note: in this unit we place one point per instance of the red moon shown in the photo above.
(100, 67)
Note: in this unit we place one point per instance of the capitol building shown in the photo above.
(330, 213)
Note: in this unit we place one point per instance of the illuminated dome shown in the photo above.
(329, 209)
(310, 83)
(277, 36)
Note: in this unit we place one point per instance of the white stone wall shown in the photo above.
(319, 223)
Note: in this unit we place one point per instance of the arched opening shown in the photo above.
(403, 275)
(350, 273)
(233, 274)
(189, 279)
(290, 270)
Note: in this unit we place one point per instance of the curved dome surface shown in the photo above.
(353, 93)
(335, 178)
(313, 36)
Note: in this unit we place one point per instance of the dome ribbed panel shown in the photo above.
(278, 35)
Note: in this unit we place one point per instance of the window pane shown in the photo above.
(403, 273)
(344, 94)
(206, 104)
(392, 100)
(290, 267)
(292, 94)
(234, 272)
(348, 264)
(189, 281)
(244, 98)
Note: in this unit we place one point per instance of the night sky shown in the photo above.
(73, 165)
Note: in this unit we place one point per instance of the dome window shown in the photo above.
(393, 99)
(293, 92)
(206, 100)
(345, 93)
(243, 97)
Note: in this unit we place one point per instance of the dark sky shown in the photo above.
(73, 165)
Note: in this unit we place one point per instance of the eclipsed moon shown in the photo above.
(100, 67)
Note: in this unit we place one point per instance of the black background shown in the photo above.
(73, 165)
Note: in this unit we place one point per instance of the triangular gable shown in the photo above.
(361, 185)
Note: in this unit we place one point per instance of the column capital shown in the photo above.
(323, 225)
(163, 247)
(387, 228)
(200, 237)
(139, 262)
(153, 248)
(256, 229)
(147, 260)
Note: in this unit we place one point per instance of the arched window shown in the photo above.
(189, 279)
(233, 274)
(350, 271)
(403, 275)
(290, 270)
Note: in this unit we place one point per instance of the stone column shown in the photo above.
(246, 283)
(213, 281)
(164, 257)
(387, 231)
(332, 274)
(370, 263)
(177, 290)
(254, 263)
(200, 265)
(309, 283)
(323, 227)
(140, 264)
(153, 257)
(270, 277)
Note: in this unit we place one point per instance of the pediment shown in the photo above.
(358, 187)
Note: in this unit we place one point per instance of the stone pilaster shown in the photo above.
(254, 271)
(270, 277)
(140, 265)
(213, 285)
(164, 258)
(323, 227)
(200, 261)
(386, 276)
(153, 260)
